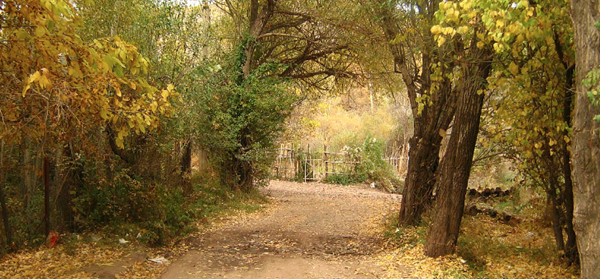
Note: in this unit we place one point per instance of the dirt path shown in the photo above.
(309, 231)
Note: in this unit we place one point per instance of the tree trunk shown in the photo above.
(63, 188)
(5, 217)
(557, 223)
(586, 141)
(455, 168)
(28, 172)
(554, 192)
(429, 123)
(571, 252)
(186, 167)
(46, 168)
(420, 177)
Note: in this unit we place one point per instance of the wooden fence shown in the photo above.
(299, 164)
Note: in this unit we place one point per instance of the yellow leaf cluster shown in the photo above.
(52, 83)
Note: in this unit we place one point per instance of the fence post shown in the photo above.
(326, 159)
(294, 162)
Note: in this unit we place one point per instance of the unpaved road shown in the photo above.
(308, 231)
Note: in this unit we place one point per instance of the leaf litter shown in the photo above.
(510, 254)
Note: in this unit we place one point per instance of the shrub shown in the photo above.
(369, 166)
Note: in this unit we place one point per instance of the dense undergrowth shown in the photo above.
(75, 253)
(180, 215)
(150, 215)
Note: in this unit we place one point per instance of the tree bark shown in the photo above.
(429, 123)
(46, 195)
(571, 245)
(29, 171)
(186, 167)
(455, 168)
(571, 252)
(420, 177)
(586, 141)
(5, 217)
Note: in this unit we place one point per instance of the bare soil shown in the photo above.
(309, 230)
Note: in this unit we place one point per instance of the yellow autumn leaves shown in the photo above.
(52, 83)
(489, 21)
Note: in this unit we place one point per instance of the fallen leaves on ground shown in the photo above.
(501, 251)
(58, 262)
(487, 249)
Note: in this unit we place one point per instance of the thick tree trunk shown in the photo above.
(453, 176)
(586, 141)
(429, 123)
(420, 177)
(423, 157)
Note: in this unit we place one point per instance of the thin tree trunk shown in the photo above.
(586, 141)
(46, 195)
(571, 252)
(557, 224)
(555, 193)
(186, 167)
(28, 172)
(5, 217)
(455, 168)
(571, 245)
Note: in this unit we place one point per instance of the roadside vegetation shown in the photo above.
(126, 249)
(493, 105)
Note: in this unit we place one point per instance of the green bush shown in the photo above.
(369, 166)
(341, 178)
(240, 118)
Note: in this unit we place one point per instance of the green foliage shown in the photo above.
(591, 81)
(372, 166)
(156, 214)
(369, 166)
(342, 178)
(241, 117)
